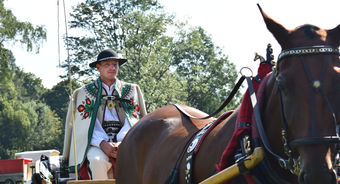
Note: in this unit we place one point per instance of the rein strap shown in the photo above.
(225, 103)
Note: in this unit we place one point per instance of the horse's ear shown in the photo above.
(280, 33)
(334, 36)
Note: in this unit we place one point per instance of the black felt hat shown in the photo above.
(108, 54)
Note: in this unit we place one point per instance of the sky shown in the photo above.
(235, 26)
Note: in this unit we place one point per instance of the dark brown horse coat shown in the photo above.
(157, 147)
(152, 147)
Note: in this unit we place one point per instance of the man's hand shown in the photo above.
(110, 148)
(115, 149)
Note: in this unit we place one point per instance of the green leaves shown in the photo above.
(27, 126)
(25, 122)
(183, 66)
(12, 30)
(58, 97)
(209, 74)
(170, 62)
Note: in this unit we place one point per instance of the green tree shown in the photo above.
(45, 129)
(210, 76)
(149, 49)
(136, 29)
(12, 30)
(29, 86)
(13, 123)
(59, 96)
(6, 65)
(168, 68)
(28, 126)
(104, 24)
(25, 122)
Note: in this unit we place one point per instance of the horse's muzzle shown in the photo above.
(324, 177)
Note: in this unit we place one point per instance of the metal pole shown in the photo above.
(70, 88)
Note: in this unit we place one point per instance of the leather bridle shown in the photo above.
(316, 88)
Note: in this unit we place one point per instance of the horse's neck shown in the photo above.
(269, 106)
(227, 127)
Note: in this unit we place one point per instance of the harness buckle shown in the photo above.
(283, 163)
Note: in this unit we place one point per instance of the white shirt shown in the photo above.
(110, 115)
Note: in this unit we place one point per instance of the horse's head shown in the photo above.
(307, 87)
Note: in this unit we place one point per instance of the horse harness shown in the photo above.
(293, 163)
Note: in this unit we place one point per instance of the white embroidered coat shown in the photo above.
(87, 104)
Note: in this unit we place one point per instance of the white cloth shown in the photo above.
(99, 164)
(99, 133)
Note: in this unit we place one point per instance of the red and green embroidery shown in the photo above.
(125, 90)
(131, 108)
(91, 89)
(86, 108)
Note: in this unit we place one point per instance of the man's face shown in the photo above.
(108, 69)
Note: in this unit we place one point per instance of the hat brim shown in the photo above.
(121, 61)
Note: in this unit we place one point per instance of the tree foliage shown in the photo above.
(183, 67)
(171, 64)
(104, 24)
(209, 74)
(59, 96)
(31, 87)
(25, 122)
(45, 130)
(28, 126)
(12, 30)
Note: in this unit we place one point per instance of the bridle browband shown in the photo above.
(299, 51)
(316, 87)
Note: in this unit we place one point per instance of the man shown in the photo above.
(101, 113)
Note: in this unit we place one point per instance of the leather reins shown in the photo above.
(225, 103)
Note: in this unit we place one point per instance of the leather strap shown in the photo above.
(225, 103)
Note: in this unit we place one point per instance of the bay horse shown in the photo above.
(301, 97)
